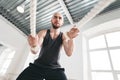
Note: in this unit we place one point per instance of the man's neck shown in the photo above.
(55, 31)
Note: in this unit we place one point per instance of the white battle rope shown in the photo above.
(93, 12)
(33, 5)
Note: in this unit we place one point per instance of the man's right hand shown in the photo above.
(33, 41)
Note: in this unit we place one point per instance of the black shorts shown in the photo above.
(34, 72)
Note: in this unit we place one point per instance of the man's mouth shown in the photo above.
(57, 22)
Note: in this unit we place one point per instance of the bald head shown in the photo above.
(58, 13)
(57, 20)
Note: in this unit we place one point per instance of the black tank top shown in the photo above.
(49, 54)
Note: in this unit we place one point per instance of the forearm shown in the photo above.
(70, 43)
(68, 40)
(70, 47)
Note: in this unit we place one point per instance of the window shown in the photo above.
(102, 76)
(5, 59)
(100, 41)
(115, 56)
(100, 60)
(118, 76)
(104, 56)
(113, 39)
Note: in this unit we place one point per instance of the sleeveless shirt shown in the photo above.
(49, 54)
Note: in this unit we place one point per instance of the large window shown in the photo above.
(104, 55)
(6, 56)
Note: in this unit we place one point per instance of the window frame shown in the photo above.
(114, 72)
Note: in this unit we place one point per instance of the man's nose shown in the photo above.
(58, 19)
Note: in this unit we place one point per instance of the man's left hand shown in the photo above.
(73, 32)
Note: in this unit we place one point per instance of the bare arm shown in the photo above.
(36, 42)
(68, 45)
(68, 42)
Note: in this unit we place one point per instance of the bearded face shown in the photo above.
(57, 20)
(55, 26)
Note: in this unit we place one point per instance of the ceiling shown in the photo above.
(76, 9)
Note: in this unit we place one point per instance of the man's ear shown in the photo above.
(51, 20)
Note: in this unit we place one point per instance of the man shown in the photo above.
(46, 66)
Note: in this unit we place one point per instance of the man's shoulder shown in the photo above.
(42, 32)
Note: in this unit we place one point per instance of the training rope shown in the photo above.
(102, 4)
(33, 5)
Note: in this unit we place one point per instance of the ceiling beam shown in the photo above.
(66, 11)
(101, 5)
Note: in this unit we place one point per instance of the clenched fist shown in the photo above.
(33, 41)
(73, 32)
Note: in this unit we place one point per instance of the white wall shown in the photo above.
(16, 40)
(100, 19)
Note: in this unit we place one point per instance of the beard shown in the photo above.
(55, 27)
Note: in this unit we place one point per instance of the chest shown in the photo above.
(54, 36)
(54, 40)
